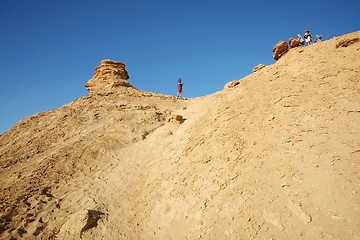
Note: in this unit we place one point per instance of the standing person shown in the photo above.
(180, 84)
(318, 38)
(301, 40)
(307, 37)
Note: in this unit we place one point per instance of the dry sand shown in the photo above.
(274, 157)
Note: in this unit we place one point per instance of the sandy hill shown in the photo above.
(274, 155)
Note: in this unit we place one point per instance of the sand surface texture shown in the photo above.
(274, 157)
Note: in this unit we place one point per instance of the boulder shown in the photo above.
(110, 74)
(175, 119)
(280, 49)
(258, 67)
(232, 84)
(293, 43)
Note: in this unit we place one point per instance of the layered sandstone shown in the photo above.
(280, 49)
(110, 74)
(258, 67)
(346, 42)
(232, 84)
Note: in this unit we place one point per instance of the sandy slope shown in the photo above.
(275, 157)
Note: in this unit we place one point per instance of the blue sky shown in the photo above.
(50, 48)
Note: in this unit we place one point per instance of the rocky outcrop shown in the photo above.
(293, 43)
(346, 42)
(258, 67)
(232, 84)
(280, 49)
(110, 74)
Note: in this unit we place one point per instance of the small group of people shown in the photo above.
(307, 37)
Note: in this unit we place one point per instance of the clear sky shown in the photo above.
(50, 48)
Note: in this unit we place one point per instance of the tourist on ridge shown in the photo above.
(318, 38)
(180, 84)
(307, 37)
(301, 40)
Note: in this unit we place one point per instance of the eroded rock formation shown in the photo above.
(258, 67)
(280, 49)
(110, 74)
(293, 43)
(232, 84)
(346, 42)
(175, 119)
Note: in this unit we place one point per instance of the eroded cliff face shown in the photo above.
(274, 155)
(110, 74)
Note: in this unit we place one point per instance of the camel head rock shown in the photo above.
(110, 74)
(294, 43)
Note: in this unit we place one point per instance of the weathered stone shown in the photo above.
(231, 84)
(280, 49)
(346, 42)
(294, 43)
(175, 119)
(258, 67)
(110, 74)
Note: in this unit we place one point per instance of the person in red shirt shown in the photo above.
(180, 84)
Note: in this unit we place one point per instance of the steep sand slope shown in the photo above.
(275, 157)
(64, 147)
